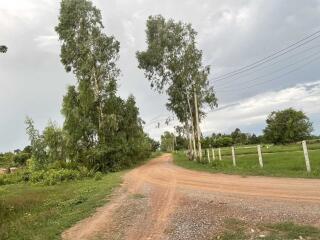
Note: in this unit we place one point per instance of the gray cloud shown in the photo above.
(231, 34)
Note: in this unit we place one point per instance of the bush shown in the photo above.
(85, 172)
(37, 176)
(50, 176)
(54, 176)
(98, 176)
(10, 178)
(21, 158)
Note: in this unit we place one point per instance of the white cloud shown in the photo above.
(250, 111)
(254, 110)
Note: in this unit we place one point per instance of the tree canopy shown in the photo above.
(173, 63)
(3, 48)
(167, 142)
(287, 126)
(101, 130)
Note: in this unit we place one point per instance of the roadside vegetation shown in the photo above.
(34, 210)
(235, 229)
(101, 131)
(279, 161)
(39, 212)
(282, 153)
(67, 171)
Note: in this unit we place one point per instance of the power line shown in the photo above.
(270, 57)
(165, 119)
(277, 78)
(233, 104)
(268, 60)
(234, 78)
(278, 70)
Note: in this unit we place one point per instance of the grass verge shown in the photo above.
(40, 212)
(283, 164)
(235, 229)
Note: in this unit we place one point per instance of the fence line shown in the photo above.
(260, 156)
(306, 156)
(259, 152)
(233, 157)
(213, 156)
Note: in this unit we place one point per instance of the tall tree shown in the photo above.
(173, 63)
(102, 131)
(287, 126)
(167, 142)
(92, 56)
(38, 145)
(238, 137)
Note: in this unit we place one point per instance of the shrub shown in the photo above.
(98, 176)
(31, 164)
(49, 177)
(2, 180)
(21, 158)
(37, 176)
(85, 172)
(10, 178)
(54, 176)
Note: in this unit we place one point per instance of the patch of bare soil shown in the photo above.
(162, 201)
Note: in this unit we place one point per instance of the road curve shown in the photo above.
(164, 184)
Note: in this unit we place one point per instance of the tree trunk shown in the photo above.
(100, 113)
(197, 123)
(193, 131)
(188, 134)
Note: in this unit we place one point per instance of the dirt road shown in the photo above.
(162, 201)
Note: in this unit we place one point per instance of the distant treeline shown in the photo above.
(283, 127)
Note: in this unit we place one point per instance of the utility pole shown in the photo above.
(197, 123)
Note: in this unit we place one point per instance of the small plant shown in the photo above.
(138, 196)
(98, 176)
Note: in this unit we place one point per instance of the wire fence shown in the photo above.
(303, 156)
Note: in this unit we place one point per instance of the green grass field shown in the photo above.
(281, 161)
(40, 212)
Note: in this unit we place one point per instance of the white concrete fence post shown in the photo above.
(213, 156)
(306, 156)
(219, 151)
(208, 155)
(233, 156)
(260, 156)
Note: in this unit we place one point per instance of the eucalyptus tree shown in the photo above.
(173, 64)
(102, 131)
(167, 141)
(91, 55)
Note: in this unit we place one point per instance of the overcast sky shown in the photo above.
(231, 34)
